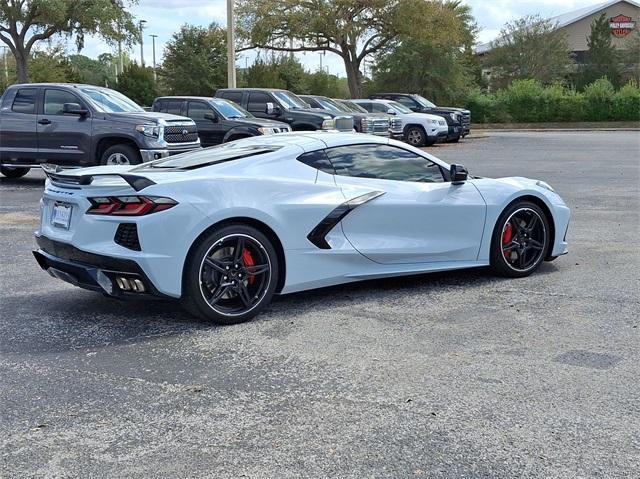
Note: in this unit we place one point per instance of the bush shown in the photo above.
(527, 101)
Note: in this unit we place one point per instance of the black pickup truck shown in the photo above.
(218, 120)
(282, 105)
(83, 125)
(458, 119)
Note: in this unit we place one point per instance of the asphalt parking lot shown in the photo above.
(443, 375)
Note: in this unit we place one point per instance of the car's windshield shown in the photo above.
(398, 108)
(289, 100)
(230, 110)
(330, 105)
(109, 101)
(423, 101)
(352, 106)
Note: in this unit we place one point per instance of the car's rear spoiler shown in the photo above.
(56, 174)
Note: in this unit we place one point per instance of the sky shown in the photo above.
(164, 17)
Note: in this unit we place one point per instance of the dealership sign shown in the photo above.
(621, 25)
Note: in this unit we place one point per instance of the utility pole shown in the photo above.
(141, 26)
(153, 41)
(231, 46)
(6, 67)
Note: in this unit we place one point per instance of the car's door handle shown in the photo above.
(44, 121)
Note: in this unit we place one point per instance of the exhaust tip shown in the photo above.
(130, 284)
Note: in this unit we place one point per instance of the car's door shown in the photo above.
(18, 132)
(420, 218)
(63, 138)
(408, 102)
(210, 123)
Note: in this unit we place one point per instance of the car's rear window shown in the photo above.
(209, 156)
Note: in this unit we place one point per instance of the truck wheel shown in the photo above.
(13, 171)
(415, 136)
(120, 155)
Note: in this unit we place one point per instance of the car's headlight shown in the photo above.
(328, 124)
(152, 131)
(453, 116)
(545, 185)
(266, 131)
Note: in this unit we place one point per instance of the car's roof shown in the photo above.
(44, 84)
(392, 93)
(188, 97)
(253, 89)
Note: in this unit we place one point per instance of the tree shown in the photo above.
(277, 72)
(137, 83)
(529, 48)
(352, 29)
(195, 60)
(24, 23)
(602, 59)
(94, 72)
(444, 73)
(53, 66)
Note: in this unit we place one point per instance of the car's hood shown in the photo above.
(517, 185)
(259, 122)
(420, 117)
(331, 114)
(148, 116)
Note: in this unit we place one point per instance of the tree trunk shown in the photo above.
(354, 77)
(22, 70)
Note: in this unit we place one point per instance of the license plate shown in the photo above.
(61, 216)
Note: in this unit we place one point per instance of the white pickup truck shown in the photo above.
(420, 129)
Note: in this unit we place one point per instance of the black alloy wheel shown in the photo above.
(232, 275)
(520, 240)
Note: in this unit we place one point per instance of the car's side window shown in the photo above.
(54, 100)
(406, 101)
(318, 160)
(174, 107)
(380, 108)
(196, 110)
(366, 105)
(25, 101)
(257, 102)
(235, 96)
(384, 162)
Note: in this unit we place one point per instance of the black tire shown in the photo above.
(13, 171)
(454, 140)
(121, 155)
(217, 283)
(520, 240)
(415, 136)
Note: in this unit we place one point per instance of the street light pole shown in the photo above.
(231, 47)
(141, 26)
(153, 41)
(6, 67)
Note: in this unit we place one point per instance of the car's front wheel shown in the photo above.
(415, 136)
(231, 275)
(118, 155)
(520, 240)
(13, 171)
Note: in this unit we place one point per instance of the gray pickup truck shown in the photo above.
(83, 125)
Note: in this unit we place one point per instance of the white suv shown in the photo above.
(420, 129)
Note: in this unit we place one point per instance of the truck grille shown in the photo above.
(181, 134)
(466, 120)
(381, 126)
(344, 123)
(395, 124)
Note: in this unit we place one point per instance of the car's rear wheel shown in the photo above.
(13, 171)
(415, 136)
(520, 240)
(120, 155)
(231, 276)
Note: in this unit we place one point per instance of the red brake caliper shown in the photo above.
(248, 261)
(507, 234)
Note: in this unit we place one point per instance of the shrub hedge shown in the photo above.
(528, 101)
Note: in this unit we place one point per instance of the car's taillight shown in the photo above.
(129, 205)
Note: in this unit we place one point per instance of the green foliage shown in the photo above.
(25, 23)
(52, 66)
(137, 83)
(322, 83)
(529, 48)
(528, 101)
(94, 72)
(603, 59)
(195, 61)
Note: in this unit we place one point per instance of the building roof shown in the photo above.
(567, 19)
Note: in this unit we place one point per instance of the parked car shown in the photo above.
(363, 121)
(395, 123)
(420, 129)
(456, 117)
(285, 213)
(218, 120)
(83, 125)
(285, 106)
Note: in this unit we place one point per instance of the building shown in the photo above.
(623, 15)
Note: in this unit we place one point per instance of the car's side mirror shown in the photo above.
(458, 174)
(391, 112)
(272, 109)
(211, 116)
(74, 109)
